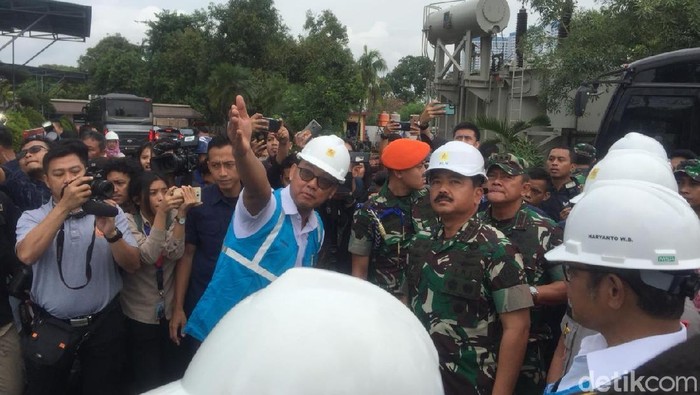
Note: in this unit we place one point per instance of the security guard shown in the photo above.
(384, 225)
(564, 186)
(532, 234)
(467, 283)
(629, 269)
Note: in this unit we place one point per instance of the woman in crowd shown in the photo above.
(159, 228)
(144, 154)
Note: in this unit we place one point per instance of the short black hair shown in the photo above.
(84, 129)
(97, 136)
(467, 125)
(539, 173)
(582, 159)
(6, 138)
(36, 137)
(288, 161)
(683, 153)
(564, 147)
(653, 301)
(127, 166)
(218, 142)
(64, 148)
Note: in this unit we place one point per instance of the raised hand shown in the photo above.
(240, 128)
(431, 110)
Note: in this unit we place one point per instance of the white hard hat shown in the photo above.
(629, 224)
(634, 140)
(458, 157)
(329, 154)
(315, 332)
(111, 136)
(630, 164)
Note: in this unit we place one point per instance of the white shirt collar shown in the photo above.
(290, 208)
(612, 362)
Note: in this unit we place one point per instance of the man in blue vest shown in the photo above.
(271, 231)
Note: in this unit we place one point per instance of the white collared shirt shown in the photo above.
(599, 364)
(245, 224)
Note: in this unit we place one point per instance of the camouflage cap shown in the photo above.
(689, 167)
(511, 164)
(584, 149)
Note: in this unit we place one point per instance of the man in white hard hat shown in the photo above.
(315, 332)
(270, 231)
(467, 283)
(629, 268)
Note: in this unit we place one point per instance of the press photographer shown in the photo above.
(75, 259)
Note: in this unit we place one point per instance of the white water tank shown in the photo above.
(482, 17)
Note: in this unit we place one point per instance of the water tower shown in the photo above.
(476, 67)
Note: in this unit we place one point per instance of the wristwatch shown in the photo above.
(115, 238)
(180, 221)
(534, 292)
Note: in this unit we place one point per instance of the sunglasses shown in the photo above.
(31, 150)
(322, 182)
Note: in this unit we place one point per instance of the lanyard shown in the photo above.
(88, 257)
(158, 263)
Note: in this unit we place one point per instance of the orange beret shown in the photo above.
(403, 154)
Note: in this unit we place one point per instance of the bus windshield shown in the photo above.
(128, 108)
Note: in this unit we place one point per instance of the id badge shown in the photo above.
(160, 310)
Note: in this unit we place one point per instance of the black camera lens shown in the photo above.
(101, 189)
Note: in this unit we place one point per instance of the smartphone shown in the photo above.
(197, 194)
(314, 127)
(273, 125)
(260, 136)
(449, 108)
(405, 126)
(359, 157)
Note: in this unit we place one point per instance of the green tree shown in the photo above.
(409, 79)
(327, 87)
(603, 40)
(371, 64)
(510, 138)
(225, 82)
(114, 65)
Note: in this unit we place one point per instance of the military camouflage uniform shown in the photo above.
(586, 151)
(580, 174)
(382, 229)
(690, 167)
(458, 288)
(533, 235)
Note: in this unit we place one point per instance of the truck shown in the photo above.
(658, 96)
(130, 116)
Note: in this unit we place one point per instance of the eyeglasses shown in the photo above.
(308, 175)
(568, 268)
(31, 150)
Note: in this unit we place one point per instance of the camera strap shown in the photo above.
(88, 257)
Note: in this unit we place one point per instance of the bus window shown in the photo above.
(128, 108)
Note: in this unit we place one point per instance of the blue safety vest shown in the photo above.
(247, 265)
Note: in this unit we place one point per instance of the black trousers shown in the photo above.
(101, 356)
(153, 359)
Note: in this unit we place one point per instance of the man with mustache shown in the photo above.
(383, 227)
(533, 235)
(466, 282)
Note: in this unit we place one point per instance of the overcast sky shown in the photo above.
(391, 26)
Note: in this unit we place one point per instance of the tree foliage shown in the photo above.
(603, 40)
(114, 65)
(409, 79)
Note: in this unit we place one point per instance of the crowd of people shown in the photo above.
(527, 280)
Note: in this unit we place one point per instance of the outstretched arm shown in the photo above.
(257, 190)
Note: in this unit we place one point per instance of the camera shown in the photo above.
(178, 157)
(273, 125)
(101, 189)
(405, 126)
